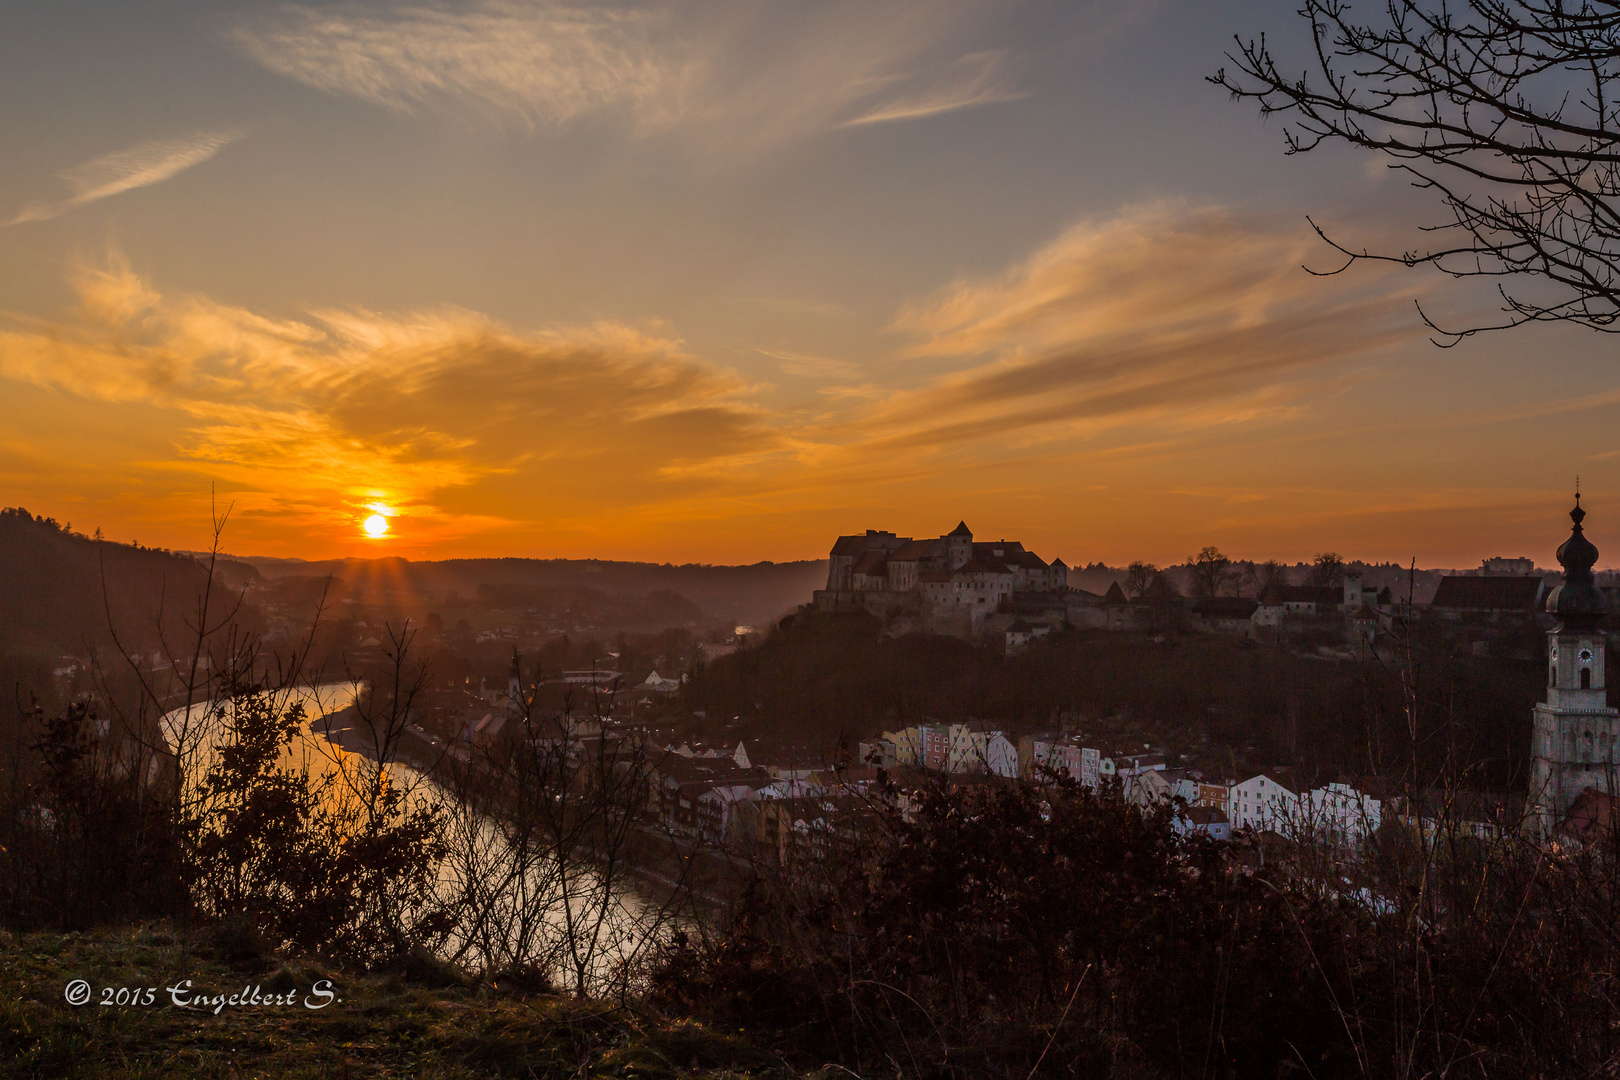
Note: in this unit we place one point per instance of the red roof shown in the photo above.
(1591, 817)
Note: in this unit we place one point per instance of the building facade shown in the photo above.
(1573, 736)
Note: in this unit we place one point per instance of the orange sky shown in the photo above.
(717, 285)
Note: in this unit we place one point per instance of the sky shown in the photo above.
(717, 281)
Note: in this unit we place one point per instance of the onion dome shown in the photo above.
(1578, 602)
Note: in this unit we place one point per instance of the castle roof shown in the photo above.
(1115, 596)
(1495, 593)
(1301, 594)
(983, 564)
(872, 562)
(961, 530)
(913, 550)
(849, 545)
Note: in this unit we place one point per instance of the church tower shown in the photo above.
(1573, 744)
(516, 707)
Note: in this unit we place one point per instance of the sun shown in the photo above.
(375, 525)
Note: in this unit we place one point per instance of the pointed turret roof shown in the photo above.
(960, 530)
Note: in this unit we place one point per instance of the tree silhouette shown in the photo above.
(1507, 110)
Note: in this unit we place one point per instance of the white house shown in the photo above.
(1000, 755)
(1148, 786)
(1261, 802)
(1340, 814)
(975, 751)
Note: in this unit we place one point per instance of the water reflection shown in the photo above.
(523, 902)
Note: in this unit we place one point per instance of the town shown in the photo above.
(752, 799)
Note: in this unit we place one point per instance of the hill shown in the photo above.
(59, 588)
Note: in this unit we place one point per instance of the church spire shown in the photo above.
(1578, 602)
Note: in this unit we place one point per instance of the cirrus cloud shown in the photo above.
(139, 166)
(740, 71)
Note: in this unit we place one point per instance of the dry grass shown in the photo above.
(418, 1021)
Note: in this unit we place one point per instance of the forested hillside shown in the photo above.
(58, 588)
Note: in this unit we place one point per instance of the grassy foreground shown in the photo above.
(419, 1021)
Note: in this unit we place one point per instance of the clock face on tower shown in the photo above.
(1586, 656)
(1555, 652)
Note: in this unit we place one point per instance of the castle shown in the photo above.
(948, 585)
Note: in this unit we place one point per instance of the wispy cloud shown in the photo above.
(542, 62)
(1195, 316)
(739, 71)
(805, 366)
(124, 170)
(976, 79)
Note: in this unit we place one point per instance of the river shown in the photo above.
(519, 906)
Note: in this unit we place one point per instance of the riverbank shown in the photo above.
(699, 879)
(421, 1020)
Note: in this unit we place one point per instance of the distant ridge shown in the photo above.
(753, 594)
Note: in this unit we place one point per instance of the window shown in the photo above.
(1586, 678)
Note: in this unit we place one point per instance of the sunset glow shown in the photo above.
(717, 283)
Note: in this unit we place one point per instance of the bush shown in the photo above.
(1010, 930)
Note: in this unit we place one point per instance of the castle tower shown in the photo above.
(958, 546)
(1573, 741)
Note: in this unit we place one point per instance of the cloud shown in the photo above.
(1127, 345)
(542, 62)
(805, 366)
(1192, 316)
(140, 166)
(973, 80)
(739, 71)
(345, 404)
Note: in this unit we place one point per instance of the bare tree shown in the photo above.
(1209, 571)
(1505, 109)
(1138, 576)
(551, 848)
(1269, 573)
(1328, 570)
